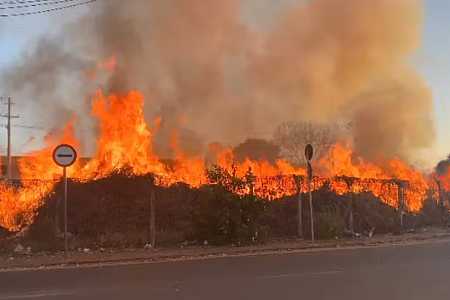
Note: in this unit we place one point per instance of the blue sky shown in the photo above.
(432, 61)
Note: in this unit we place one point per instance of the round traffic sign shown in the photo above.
(64, 155)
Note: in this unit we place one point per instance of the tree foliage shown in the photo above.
(257, 149)
(292, 137)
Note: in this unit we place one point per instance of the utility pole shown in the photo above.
(8, 128)
(9, 116)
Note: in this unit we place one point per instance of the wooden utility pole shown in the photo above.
(8, 127)
(9, 116)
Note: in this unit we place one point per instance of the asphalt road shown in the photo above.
(412, 272)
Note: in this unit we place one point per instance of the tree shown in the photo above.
(443, 166)
(292, 137)
(257, 149)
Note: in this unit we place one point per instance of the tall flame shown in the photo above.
(125, 138)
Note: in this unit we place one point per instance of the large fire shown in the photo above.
(125, 141)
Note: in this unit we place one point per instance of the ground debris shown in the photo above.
(19, 249)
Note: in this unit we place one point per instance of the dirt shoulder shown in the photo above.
(89, 257)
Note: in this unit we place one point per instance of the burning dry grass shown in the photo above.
(125, 142)
(306, 66)
(115, 211)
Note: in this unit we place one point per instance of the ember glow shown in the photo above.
(125, 141)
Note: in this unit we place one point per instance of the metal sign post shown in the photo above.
(309, 153)
(65, 156)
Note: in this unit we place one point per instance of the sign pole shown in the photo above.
(311, 210)
(64, 156)
(309, 153)
(66, 244)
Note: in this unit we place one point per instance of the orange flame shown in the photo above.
(18, 205)
(126, 142)
(125, 138)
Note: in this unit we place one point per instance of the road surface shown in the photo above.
(410, 272)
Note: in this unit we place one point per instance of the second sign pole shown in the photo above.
(309, 153)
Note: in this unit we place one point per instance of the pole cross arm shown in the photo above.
(12, 117)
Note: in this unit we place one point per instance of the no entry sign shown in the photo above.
(64, 155)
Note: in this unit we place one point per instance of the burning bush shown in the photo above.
(116, 211)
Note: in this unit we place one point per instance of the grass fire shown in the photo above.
(125, 144)
(224, 149)
(223, 107)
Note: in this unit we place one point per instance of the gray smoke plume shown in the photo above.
(213, 77)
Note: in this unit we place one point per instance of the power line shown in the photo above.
(26, 127)
(53, 9)
(25, 5)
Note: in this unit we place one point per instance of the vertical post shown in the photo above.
(351, 218)
(64, 156)
(400, 203)
(8, 128)
(298, 182)
(57, 216)
(152, 219)
(440, 194)
(311, 210)
(66, 244)
(442, 203)
(349, 182)
(309, 152)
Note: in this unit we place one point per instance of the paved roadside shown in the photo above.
(91, 257)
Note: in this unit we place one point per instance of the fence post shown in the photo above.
(298, 182)
(350, 214)
(57, 218)
(152, 221)
(401, 203)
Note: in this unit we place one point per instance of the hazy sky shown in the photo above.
(433, 60)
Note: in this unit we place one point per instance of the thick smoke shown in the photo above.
(213, 77)
(394, 118)
(346, 59)
(180, 54)
(50, 84)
